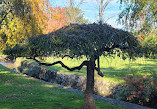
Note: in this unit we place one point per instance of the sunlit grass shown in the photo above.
(19, 92)
(113, 68)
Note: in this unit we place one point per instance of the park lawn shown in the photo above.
(19, 92)
(114, 69)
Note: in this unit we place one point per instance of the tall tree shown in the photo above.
(9, 17)
(89, 40)
(139, 15)
(73, 13)
(23, 18)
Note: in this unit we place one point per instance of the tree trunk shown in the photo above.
(88, 94)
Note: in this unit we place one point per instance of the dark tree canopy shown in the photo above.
(91, 39)
(77, 40)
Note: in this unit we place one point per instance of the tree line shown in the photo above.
(25, 18)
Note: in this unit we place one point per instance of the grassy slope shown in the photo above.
(113, 68)
(19, 92)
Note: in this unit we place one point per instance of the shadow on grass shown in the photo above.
(117, 72)
(19, 92)
(153, 60)
(146, 67)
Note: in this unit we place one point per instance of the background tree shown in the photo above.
(139, 14)
(75, 41)
(56, 19)
(139, 17)
(150, 44)
(23, 18)
(18, 21)
(102, 5)
(73, 13)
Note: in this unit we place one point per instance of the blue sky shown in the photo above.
(90, 9)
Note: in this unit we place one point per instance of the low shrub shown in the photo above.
(138, 89)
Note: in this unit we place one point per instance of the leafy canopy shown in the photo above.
(76, 40)
(22, 18)
(139, 15)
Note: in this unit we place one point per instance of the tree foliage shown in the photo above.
(23, 18)
(139, 15)
(150, 44)
(81, 40)
(73, 13)
(56, 20)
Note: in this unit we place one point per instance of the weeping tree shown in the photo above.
(75, 41)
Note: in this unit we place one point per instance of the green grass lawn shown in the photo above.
(19, 92)
(114, 69)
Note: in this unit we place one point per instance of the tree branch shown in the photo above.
(84, 63)
(67, 56)
(99, 72)
(5, 16)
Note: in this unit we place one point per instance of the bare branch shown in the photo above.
(80, 3)
(109, 18)
(5, 16)
(67, 56)
(106, 4)
(84, 63)
(98, 68)
(102, 7)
